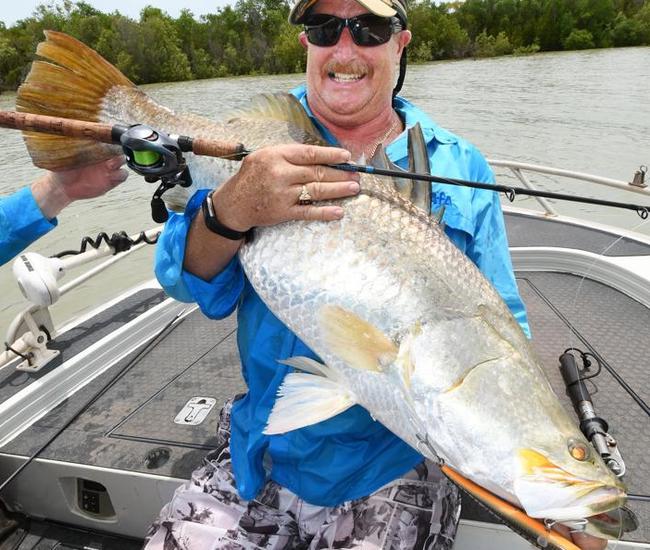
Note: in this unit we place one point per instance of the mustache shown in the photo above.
(354, 66)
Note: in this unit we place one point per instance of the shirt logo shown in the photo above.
(440, 198)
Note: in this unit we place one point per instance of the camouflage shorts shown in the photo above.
(418, 511)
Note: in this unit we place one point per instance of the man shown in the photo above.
(346, 482)
(31, 212)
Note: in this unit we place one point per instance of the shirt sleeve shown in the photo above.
(217, 297)
(489, 247)
(21, 223)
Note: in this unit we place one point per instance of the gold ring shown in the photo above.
(304, 197)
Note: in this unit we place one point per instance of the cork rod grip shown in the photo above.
(58, 126)
(216, 148)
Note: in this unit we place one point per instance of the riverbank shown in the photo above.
(253, 37)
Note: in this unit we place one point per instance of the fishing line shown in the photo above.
(574, 336)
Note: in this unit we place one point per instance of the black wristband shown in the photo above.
(214, 225)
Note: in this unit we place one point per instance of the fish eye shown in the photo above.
(578, 450)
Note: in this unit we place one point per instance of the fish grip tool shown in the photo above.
(592, 426)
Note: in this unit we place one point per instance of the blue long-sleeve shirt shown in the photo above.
(21, 223)
(350, 455)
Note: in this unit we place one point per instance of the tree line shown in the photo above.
(254, 36)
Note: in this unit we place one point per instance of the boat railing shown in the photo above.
(520, 170)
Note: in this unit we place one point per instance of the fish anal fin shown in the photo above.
(360, 344)
(307, 364)
(305, 399)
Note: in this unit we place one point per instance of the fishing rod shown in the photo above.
(158, 156)
(150, 153)
(510, 191)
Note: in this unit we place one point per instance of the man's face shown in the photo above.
(347, 84)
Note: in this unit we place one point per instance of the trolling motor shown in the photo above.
(156, 156)
(592, 426)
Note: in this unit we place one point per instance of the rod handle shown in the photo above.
(58, 126)
(217, 148)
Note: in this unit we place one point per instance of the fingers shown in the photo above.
(318, 213)
(323, 191)
(320, 172)
(118, 176)
(315, 154)
(115, 162)
(587, 542)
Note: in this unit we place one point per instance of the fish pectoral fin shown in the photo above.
(359, 343)
(305, 399)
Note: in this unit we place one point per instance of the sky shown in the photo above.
(11, 11)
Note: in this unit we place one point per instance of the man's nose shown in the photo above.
(345, 41)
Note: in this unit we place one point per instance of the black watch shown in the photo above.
(214, 225)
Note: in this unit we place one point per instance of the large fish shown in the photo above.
(404, 323)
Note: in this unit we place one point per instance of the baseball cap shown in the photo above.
(383, 8)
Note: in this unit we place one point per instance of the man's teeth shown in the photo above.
(346, 77)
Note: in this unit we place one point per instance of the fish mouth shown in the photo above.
(547, 491)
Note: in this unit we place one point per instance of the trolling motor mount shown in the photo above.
(592, 426)
(156, 156)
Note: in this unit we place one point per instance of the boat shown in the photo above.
(103, 417)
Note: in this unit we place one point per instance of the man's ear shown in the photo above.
(404, 39)
(303, 39)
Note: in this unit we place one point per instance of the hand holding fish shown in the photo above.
(56, 190)
(582, 540)
(267, 190)
(277, 184)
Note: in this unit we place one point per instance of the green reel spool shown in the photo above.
(146, 158)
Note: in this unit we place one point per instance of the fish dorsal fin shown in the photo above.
(380, 160)
(438, 215)
(360, 344)
(419, 163)
(280, 106)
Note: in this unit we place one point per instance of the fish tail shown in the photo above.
(70, 81)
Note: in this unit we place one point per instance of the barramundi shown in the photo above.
(404, 324)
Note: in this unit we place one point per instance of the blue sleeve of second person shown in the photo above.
(217, 297)
(21, 223)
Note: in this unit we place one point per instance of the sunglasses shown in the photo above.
(367, 30)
